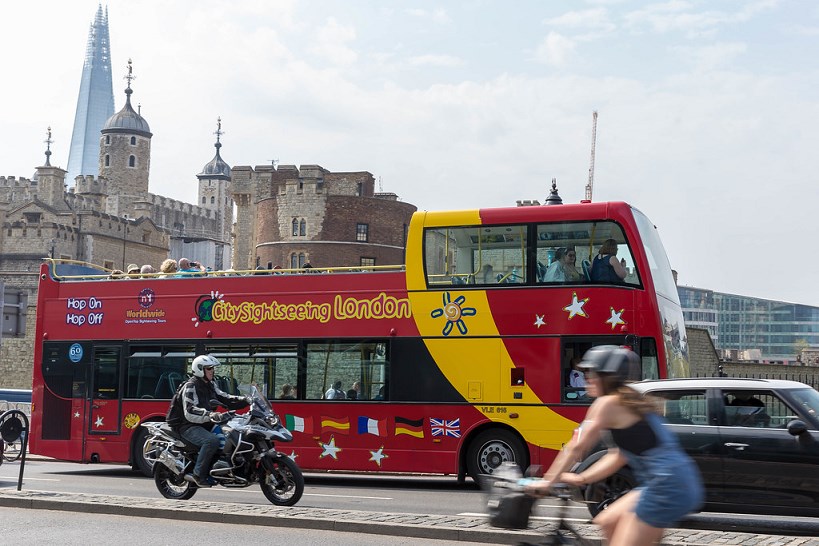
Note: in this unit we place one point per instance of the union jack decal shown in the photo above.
(446, 427)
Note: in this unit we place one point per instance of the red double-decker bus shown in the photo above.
(461, 357)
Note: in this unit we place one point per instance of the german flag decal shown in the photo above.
(413, 427)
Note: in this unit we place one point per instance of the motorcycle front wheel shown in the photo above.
(170, 485)
(282, 482)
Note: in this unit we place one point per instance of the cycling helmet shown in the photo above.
(201, 362)
(619, 363)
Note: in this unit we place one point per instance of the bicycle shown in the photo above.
(509, 507)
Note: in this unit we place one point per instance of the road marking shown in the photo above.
(542, 518)
(346, 496)
(321, 495)
(27, 479)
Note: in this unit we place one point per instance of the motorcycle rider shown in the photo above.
(192, 415)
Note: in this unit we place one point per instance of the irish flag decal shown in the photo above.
(295, 423)
(372, 426)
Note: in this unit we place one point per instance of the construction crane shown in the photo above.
(590, 184)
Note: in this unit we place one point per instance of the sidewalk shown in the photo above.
(452, 528)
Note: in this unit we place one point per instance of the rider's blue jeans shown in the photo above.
(208, 443)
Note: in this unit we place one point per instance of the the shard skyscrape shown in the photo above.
(95, 103)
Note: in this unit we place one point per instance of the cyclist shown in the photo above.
(669, 483)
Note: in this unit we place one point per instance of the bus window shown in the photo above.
(348, 363)
(486, 255)
(573, 383)
(106, 373)
(266, 367)
(565, 251)
(648, 359)
(157, 372)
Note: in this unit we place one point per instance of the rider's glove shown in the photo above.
(215, 416)
(248, 399)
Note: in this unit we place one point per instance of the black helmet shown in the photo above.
(619, 362)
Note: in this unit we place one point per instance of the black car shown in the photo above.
(756, 442)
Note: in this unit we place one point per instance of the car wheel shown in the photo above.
(601, 494)
(493, 447)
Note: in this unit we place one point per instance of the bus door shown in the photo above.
(105, 395)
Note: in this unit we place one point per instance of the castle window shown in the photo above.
(33, 217)
(294, 261)
(301, 185)
(359, 187)
(319, 185)
(108, 139)
(362, 232)
(14, 304)
(367, 262)
(132, 161)
(212, 199)
(203, 199)
(107, 160)
(146, 236)
(133, 141)
(303, 227)
(302, 260)
(295, 227)
(108, 264)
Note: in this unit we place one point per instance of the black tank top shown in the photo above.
(636, 439)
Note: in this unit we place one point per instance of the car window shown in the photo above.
(683, 407)
(758, 409)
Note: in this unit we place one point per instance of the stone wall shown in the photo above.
(705, 363)
(17, 353)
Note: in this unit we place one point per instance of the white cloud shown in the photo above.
(555, 49)
(330, 41)
(711, 57)
(436, 60)
(438, 15)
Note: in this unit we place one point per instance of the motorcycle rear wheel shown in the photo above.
(170, 485)
(283, 482)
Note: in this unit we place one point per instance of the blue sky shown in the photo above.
(706, 108)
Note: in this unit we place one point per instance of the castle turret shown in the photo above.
(125, 149)
(214, 193)
(51, 180)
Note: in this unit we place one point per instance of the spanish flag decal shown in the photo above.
(338, 424)
(413, 427)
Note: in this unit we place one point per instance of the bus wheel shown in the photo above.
(143, 460)
(490, 449)
(172, 486)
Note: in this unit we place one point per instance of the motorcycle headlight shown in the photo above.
(272, 420)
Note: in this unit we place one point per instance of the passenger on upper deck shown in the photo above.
(187, 267)
(606, 267)
(168, 268)
(555, 272)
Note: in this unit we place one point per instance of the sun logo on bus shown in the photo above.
(453, 311)
(203, 308)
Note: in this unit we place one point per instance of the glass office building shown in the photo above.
(743, 325)
(95, 103)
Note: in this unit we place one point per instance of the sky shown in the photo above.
(706, 109)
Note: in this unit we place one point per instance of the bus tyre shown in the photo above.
(142, 452)
(489, 449)
(172, 486)
(600, 495)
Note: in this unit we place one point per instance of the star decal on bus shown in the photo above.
(576, 307)
(616, 318)
(292, 456)
(376, 456)
(453, 310)
(98, 423)
(204, 307)
(330, 449)
(539, 321)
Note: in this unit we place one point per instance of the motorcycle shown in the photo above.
(248, 456)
